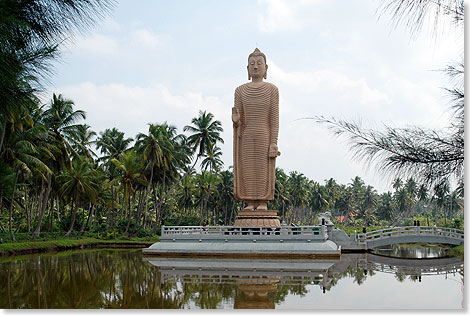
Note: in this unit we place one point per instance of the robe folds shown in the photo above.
(258, 128)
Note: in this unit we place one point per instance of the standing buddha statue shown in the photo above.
(255, 117)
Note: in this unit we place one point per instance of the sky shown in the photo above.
(152, 61)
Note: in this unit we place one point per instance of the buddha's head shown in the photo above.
(257, 67)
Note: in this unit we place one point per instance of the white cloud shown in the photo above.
(328, 81)
(283, 15)
(110, 24)
(97, 44)
(147, 38)
(279, 16)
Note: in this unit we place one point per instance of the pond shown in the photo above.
(123, 278)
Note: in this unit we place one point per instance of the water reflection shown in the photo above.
(410, 251)
(124, 279)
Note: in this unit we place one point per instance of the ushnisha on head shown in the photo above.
(257, 67)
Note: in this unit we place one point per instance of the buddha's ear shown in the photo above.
(266, 73)
(249, 77)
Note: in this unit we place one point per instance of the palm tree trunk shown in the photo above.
(2, 188)
(148, 189)
(42, 208)
(74, 213)
(51, 216)
(128, 214)
(181, 216)
(231, 212)
(11, 207)
(91, 218)
(140, 206)
(283, 211)
(40, 199)
(108, 216)
(445, 215)
(84, 223)
(176, 183)
(27, 209)
(201, 209)
(2, 136)
(225, 214)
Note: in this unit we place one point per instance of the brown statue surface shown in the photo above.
(255, 117)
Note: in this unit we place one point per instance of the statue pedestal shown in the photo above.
(266, 218)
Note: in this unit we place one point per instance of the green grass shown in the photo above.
(457, 251)
(67, 243)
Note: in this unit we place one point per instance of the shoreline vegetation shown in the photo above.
(62, 244)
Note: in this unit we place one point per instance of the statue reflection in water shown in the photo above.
(261, 284)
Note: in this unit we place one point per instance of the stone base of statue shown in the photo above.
(253, 218)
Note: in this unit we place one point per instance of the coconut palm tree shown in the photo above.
(281, 192)
(205, 132)
(206, 183)
(441, 192)
(385, 209)
(185, 195)
(112, 143)
(369, 204)
(225, 193)
(60, 118)
(318, 199)
(78, 183)
(299, 192)
(213, 160)
(81, 141)
(332, 190)
(129, 168)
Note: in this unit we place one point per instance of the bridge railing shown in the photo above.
(310, 231)
(410, 230)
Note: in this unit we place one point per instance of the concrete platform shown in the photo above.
(244, 249)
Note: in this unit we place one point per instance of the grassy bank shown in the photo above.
(457, 251)
(28, 247)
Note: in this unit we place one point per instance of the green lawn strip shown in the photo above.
(62, 244)
(457, 251)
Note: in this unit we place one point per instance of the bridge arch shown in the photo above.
(411, 234)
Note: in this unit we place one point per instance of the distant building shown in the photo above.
(345, 218)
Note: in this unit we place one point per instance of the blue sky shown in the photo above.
(154, 61)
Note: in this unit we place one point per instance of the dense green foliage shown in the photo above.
(54, 182)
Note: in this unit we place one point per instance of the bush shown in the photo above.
(99, 227)
(122, 224)
(145, 233)
(187, 219)
(457, 223)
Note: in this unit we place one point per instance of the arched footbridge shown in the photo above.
(411, 234)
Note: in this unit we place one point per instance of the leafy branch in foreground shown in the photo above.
(428, 155)
(414, 13)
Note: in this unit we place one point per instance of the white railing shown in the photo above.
(223, 231)
(409, 231)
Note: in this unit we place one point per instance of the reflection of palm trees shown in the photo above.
(119, 279)
(89, 279)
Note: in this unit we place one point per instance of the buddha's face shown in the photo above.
(257, 67)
